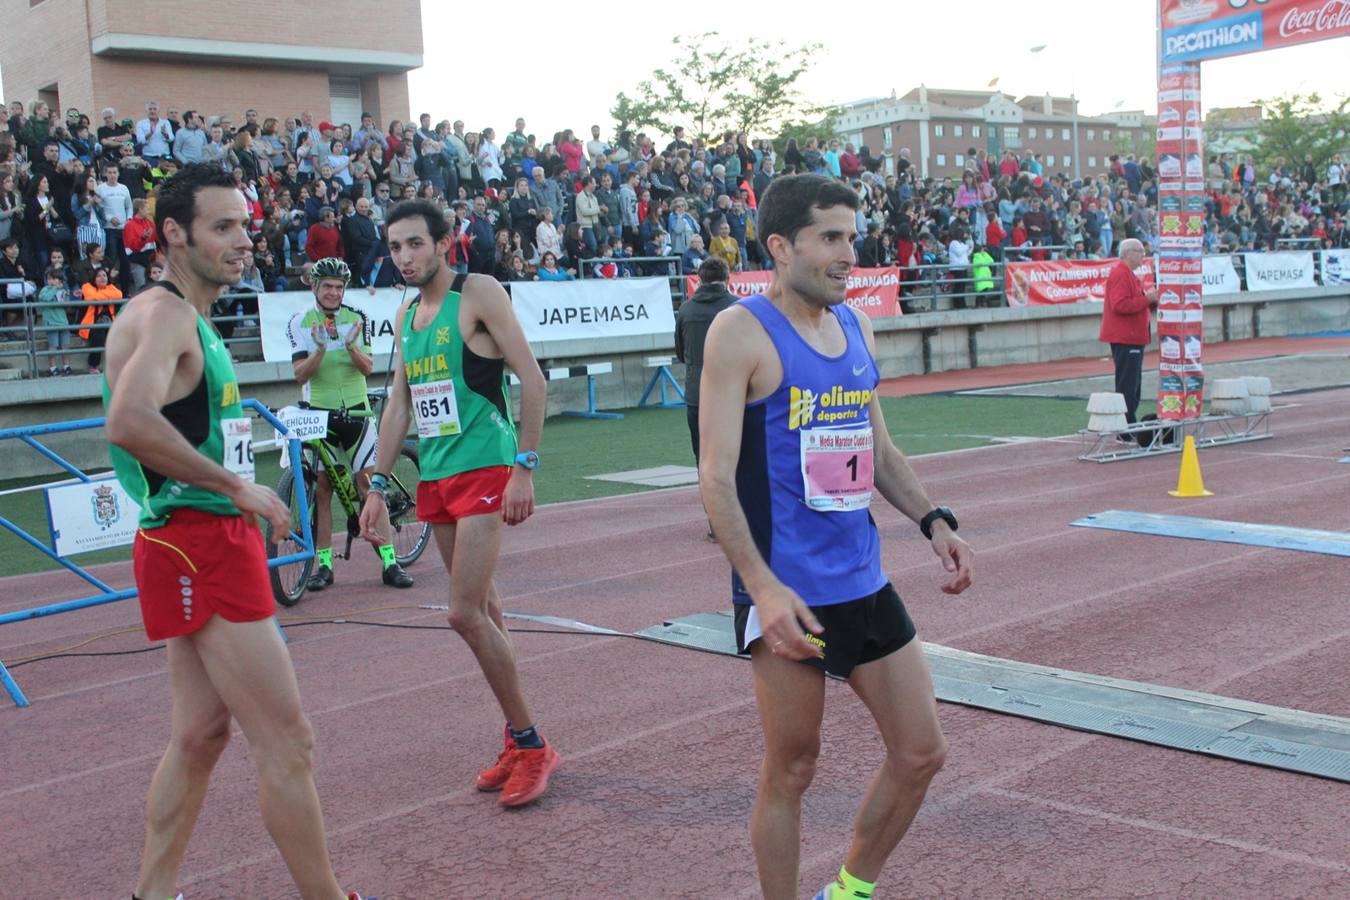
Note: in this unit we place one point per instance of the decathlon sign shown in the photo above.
(1221, 37)
(1208, 29)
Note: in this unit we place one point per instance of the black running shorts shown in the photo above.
(856, 632)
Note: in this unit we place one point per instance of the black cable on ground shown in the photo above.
(341, 621)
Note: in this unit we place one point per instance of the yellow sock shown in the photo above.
(851, 886)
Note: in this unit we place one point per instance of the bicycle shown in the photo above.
(410, 537)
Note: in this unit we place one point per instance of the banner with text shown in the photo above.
(1274, 271)
(1335, 267)
(91, 515)
(593, 308)
(1192, 31)
(275, 312)
(875, 292)
(1038, 283)
(1221, 276)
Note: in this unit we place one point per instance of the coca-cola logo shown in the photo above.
(1332, 16)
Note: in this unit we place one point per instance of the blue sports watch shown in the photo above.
(529, 460)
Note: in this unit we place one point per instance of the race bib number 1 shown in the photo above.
(435, 408)
(837, 468)
(238, 446)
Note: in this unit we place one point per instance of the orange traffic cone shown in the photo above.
(1189, 482)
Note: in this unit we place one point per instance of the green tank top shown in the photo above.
(460, 400)
(202, 417)
(337, 384)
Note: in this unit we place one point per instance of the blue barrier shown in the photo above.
(27, 434)
(661, 379)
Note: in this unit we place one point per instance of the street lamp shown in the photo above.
(1073, 102)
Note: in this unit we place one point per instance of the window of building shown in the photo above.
(1092, 134)
(344, 100)
(1012, 133)
(887, 137)
(1064, 134)
(958, 131)
(1049, 159)
(937, 131)
(941, 158)
(974, 131)
(960, 159)
(1106, 134)
(1031, 133)
(1092, 162)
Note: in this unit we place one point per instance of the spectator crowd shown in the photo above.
(76, 203)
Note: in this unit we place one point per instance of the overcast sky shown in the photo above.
(562, 66)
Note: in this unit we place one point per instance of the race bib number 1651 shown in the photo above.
(435, 408)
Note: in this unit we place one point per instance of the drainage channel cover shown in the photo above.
(1280, 537)
(1239, 730)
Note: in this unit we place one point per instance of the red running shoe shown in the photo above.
(496, 775)
(530, 769)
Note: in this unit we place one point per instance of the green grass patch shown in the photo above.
(573, 449)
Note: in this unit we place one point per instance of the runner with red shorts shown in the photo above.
(180, 447)
(455, 340)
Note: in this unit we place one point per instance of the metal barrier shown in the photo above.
(38, 353)
(648, 267)
(28, 435)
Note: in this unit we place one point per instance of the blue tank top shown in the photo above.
(805, 472)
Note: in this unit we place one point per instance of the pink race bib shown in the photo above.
(837, 468)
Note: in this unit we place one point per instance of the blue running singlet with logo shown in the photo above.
(804, 477)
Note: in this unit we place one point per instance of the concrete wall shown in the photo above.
(909, 345)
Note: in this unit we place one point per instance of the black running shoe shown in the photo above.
(322, 578)
(394, 576)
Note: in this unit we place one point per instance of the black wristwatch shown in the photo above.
(941, 512)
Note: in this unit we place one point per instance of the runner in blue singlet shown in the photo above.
(793, 447)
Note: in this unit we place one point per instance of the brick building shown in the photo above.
(941, 126)
(219, 58)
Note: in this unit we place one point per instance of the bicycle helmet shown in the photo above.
(330, 267)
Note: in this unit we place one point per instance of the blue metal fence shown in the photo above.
(29, 434)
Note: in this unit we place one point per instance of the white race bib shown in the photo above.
(435, 408)
(837, 468)
(237, 437)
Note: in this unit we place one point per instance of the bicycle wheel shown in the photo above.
(410, 535)
(288, 579)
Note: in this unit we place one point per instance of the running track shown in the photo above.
(660, 743)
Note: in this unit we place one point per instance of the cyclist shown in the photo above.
(330, 351)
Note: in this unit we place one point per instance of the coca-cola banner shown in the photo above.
(875, 292)
(1064, 280)
(1192, 31)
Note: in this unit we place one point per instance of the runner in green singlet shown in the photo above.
(454, 342)
(181, 448)
(330, 352)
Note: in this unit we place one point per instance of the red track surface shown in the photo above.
(660, 744)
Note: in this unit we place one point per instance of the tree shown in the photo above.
(822, 130)
(714, 86)
(1294, 126)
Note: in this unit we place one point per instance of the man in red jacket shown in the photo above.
(323, 238)
(1125, 325)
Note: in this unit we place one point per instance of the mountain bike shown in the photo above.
(410, 537)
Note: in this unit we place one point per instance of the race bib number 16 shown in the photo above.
(435, 408)
(238, 446)
(837, 468)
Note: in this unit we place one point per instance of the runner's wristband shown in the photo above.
(379, 483)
